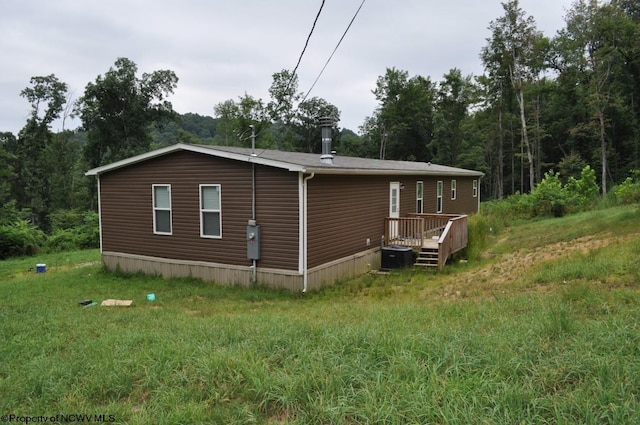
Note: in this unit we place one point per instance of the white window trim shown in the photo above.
(475, 188)
(219, 211)
(454, 189)
(439, 190)
(154, 209)
(419, 197)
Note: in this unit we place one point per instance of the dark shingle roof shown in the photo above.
(299, 162)
(347, 164)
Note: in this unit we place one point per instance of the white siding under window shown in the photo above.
(210, 211)
(162, 209)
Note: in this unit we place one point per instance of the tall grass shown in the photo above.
(374, 350)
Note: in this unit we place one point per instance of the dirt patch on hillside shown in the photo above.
(502, 271)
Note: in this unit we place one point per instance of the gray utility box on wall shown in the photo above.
(253, 241)
(396, 257)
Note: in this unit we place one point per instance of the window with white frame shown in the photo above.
(210, 211)
(439, 197)
(454, 189)
(162, 209)
(419, 195)
(475, 188)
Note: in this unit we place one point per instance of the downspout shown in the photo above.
(254, 263)
(305, 278)
(99, 214)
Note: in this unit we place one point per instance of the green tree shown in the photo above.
(453, 98)
(31, 165)
(282, 107)
(117, 111)
(67, 189)
(594, 48)
(514, 56)
(286, 122)
(494, 122)
(306, 128)
(404, 118)
(7, 204)
(234, 119)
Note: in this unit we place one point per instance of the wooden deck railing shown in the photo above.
(434, 224)
(420, 230)
(453, 239)
(405, 231)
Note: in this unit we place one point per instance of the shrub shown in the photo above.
(88, 234)
(523, 204)
(584, 191)
(66, 219)
(74, 230)
(9, 213)
(549, 197)
(628, 192)
(20, 238)
(61, 240)
(502, 213)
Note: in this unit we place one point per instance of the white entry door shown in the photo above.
(394, 209)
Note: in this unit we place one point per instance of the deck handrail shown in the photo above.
(453, 239)
(413, 231)
(405, 231)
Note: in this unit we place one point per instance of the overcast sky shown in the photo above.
(222, 49)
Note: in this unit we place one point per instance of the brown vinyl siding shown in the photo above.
(342, 212)
(464, 203)
(278, 215)
(127, 214)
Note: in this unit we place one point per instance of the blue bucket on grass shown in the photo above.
(41, 268)
(151, 297)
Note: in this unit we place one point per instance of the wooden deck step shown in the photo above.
(427, 257)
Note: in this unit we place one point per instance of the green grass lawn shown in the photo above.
(555, 340)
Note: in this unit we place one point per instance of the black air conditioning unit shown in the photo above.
(396, 257)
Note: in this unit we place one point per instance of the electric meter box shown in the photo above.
(253, 242)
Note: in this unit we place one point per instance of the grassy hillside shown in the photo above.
(545, 329)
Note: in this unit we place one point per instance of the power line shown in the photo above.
(293, 74)
(334, 50)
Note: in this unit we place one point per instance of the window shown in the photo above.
(419, 192)
(210, 211)
(454, 187)
(162, 209)
(475, 188)
(439, 197)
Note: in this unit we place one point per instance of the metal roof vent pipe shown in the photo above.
(326, 124)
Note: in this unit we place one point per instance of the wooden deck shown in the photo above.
(435, 237)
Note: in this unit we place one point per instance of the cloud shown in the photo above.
(222, 50)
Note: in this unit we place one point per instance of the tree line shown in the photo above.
(543, 104)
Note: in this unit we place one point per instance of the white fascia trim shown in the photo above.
(212, 151)
(134, 159)
(364, 172)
